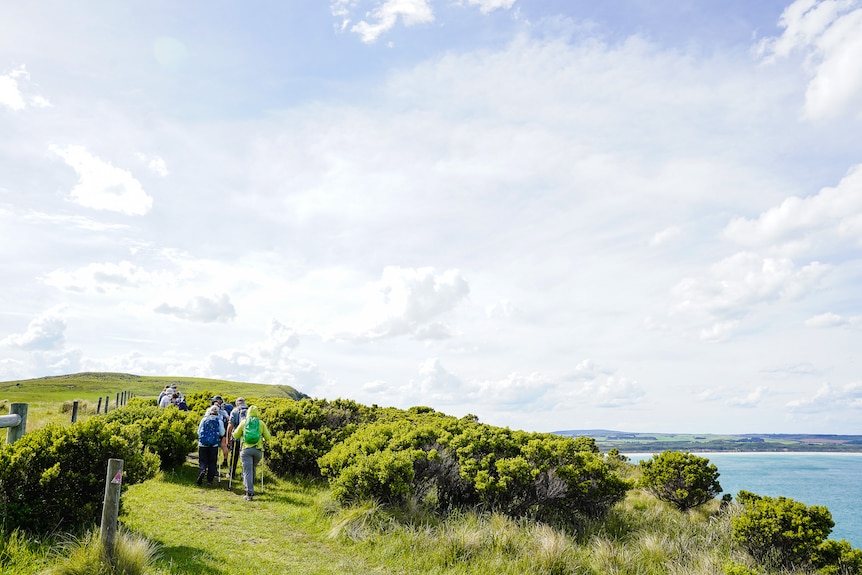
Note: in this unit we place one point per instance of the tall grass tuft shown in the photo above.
(19, 554)
(85, 555)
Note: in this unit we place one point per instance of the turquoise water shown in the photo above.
(830, 479)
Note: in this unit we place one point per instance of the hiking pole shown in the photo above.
(232, 470)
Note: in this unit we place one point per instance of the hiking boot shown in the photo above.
(247, 497)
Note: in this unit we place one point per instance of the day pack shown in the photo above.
(209, 435)
(251, 434)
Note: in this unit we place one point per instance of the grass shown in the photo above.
(50, 399)
(293, 526)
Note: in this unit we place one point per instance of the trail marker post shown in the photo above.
(111, 506)
(74, 411)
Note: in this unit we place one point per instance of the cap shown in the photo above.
(240, 401)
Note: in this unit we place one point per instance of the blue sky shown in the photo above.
(643, 216)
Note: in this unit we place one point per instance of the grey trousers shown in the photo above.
(250, 457)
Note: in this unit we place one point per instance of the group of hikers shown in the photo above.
(235, 430)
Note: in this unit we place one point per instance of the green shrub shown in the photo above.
(305, 430)
(54, 478)
(680, 478)
(170, 433)
(780, 531)
(837, 558)
(465, 464)
(297, 452)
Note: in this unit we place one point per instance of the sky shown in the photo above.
(629, 215)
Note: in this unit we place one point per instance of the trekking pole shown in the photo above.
(231, 471)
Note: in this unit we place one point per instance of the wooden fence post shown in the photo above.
(74, 411)
(14, 433)
(99, 407)
(111, 506)
(107, 397)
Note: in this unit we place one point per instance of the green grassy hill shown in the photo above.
(90, 385)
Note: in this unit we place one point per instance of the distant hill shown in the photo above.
(630, 442)
(100, 384)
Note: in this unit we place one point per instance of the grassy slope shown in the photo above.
(92, 386)
(45, 396)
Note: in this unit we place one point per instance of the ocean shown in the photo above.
(830, 479)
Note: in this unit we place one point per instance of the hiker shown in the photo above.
(164, 392)
(253, 433)
(218, 401)
(167, 399)
(210, 435)
(236, 416)
(181, 402)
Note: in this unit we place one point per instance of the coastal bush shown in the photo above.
(169, 433)
(54, 478)
(780, 531)
(680, 478)
(465, 464)
(837, 558)
(305, 430)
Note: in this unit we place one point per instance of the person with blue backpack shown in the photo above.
(253, 433)
(210, 433)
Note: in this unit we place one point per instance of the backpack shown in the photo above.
(209, 434)
(251, 434)
(240, 415)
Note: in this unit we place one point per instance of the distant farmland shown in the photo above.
(656, 442)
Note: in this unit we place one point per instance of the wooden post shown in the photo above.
(107, 397)
(111, 506)
(117, 403)
(99, 407)
(13, 434)
(74, 411)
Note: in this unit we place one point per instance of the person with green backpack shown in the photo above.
(253, 433)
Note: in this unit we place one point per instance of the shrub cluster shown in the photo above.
(781, 532)
(169, 433)
(54, 478)
(456, 463)
(680, 478)
(305, 430)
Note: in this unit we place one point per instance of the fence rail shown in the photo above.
(16, 422)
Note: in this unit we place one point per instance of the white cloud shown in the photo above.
(829, 32)
(503, 309)
(201, 309)
(719, 331)
(408, 302)
(665, 236)
(271, 361)
(102, 186)
(743, 280)
(44, 333)
(107, 277)
(600, 387)
(828, 399)
(828, 320)
(833, 210)
(751, 399)
(11, 95)
(156, 164)
(385, 16)
(487, 6)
